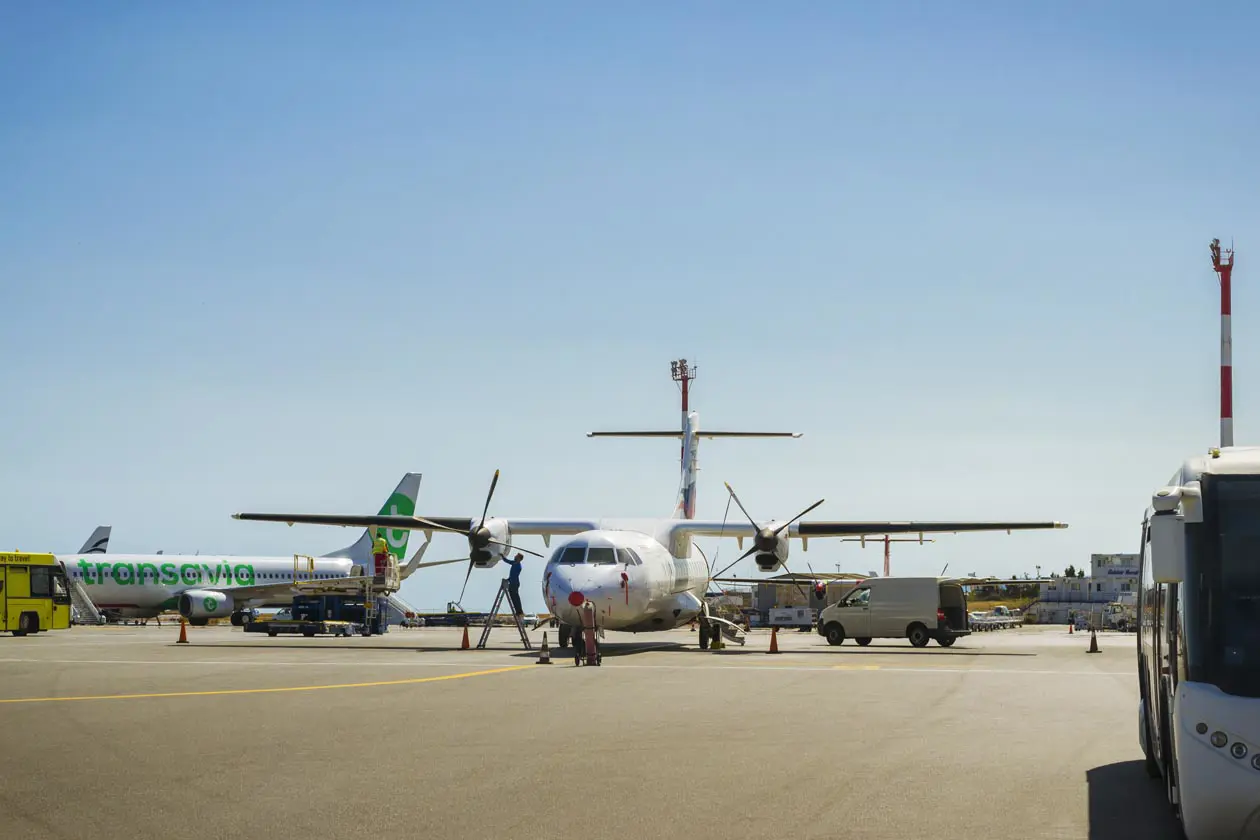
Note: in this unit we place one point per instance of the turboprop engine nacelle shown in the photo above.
(484, 553)
(772, 548)
(204, 603)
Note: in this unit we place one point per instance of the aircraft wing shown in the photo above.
(810, 530)
(519, 526)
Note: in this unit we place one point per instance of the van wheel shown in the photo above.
(864, 641)
(946, 641)
(918, 635)
(835, 634)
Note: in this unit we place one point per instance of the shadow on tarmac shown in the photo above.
(1126, 804)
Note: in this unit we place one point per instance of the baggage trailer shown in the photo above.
(294, 626)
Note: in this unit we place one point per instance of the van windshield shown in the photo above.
(857, 598)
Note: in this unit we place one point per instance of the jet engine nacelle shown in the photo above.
(772, 548)
(484, 553)
(204, 603)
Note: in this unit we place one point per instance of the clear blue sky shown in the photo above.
(270, 256)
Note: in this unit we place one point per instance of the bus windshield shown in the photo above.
(1236, 617)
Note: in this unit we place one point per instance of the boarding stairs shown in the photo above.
(494, 612)
(398, 609)
(82, 604)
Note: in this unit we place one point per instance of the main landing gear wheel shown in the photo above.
(918, 635)
(864, 641)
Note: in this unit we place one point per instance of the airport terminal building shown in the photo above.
(1111, 577)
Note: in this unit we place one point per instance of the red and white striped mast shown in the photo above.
(1224, 267)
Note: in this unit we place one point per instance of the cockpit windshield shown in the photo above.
(600, 556)
(572, 554)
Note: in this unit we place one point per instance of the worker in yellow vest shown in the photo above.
(380, 552)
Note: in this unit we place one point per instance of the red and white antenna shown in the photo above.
(1224, 267)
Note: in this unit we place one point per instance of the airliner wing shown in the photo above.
(809, 530)
(519, 526)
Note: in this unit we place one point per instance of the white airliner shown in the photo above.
(641, 576)
(203, 586)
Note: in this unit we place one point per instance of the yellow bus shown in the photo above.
(33, 594)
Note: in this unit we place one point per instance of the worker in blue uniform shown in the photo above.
(514, 583)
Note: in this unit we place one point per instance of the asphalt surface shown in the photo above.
(119, 732)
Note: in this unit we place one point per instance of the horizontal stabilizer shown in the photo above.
(702, 433)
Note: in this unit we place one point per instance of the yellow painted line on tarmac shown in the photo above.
(223, 692)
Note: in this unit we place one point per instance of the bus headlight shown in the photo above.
(1239, 750)
(1219, 739)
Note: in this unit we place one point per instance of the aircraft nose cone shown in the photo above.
(576, 598)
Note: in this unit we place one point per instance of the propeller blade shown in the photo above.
(436, 527)
(747, 553)
(799, 588)
(778, 530)
(494, 483)
(730, 490)
(467, 575)
(511, 547)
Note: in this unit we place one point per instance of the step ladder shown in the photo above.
(494, 611)
(82, 603)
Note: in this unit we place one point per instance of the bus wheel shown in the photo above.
(27, 623)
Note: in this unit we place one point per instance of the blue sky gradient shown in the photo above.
(270, 256)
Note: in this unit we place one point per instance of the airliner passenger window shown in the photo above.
(601, 556)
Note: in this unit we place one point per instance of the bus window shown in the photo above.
(41, 582)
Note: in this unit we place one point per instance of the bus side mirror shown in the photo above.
(1168, 548)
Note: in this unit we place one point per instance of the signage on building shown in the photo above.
(1121, 571)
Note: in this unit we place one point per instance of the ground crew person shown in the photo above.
(514, 583)
(380, 551)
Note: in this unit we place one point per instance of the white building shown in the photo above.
(1111, 576)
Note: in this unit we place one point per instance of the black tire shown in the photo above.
(918, 635)
(704, 635)
(24, 625)
(271, 633)
(947, 641)
(863, 641)
(834, 633)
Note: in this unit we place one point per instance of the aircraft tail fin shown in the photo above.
(98, 543)
(402, 502)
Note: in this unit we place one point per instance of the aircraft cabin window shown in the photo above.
(627, 556)
(574, 554)
(601, 556)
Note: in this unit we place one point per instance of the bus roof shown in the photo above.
(19, 558)
(1229, 460)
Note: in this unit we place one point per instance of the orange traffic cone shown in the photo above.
(1069, 628)
(774, 639)
(464, 644)
(183, 633)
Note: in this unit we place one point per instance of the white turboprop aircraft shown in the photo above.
(202, 587)
(639, 576)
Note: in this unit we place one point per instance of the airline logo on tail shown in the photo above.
(399, 504)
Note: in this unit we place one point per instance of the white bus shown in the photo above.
(1199, 643)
